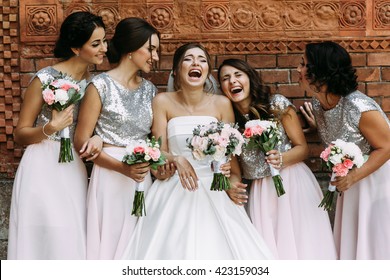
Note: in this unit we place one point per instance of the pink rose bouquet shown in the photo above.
(265, 136)
(340, 157)
(58, 94)
(138, 151)
(216, 141)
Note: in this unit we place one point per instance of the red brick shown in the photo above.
(378, 59)
(42, 63)
(165, 62)
(14, 62)
(9, 130)
(262, 61)
(378, 89)
(294, 76)
(291, 91)
(2, 122)
(7, 54)
(27, 65)
(289, 61)
(358, 59)
(274, 76)
(385, 74)
(315, 149)
(368, 74)
(10, 145)
(386, 104)
(25, 79)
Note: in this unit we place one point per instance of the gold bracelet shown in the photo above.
(43, 130)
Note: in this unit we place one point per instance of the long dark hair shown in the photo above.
(330, 64)
(130, 35)
(178, 59)
(259, 107)
(75, 31)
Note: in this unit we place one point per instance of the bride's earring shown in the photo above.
(130, 56)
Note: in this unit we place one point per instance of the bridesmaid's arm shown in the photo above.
(238, 191)
(299, 150)
(377, 132)
(25, 133)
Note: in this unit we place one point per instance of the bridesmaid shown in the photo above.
(292, 224)
(118, 108)
(362, 228)
(48, 214)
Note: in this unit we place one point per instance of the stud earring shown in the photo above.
(129, 56)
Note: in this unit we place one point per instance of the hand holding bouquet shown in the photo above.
(265, 136)
(59, 93)
(216, 141)
(139, 151)
(340, 157)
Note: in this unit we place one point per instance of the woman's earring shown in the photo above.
(130, 56)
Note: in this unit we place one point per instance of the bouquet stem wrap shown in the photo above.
(277, 181)
(66, 154)
(327, 201)
(220, 181)
(139, 200)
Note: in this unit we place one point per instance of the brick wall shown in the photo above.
(269, 34)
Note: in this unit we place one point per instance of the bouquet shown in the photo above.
(340, 157)
(216, 141)
(138, 151)
(265, 136)
(59, 93)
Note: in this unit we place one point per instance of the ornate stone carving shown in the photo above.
(382, 15)
(215, 16)
(353, 15)
(42, 20)
(161, 16)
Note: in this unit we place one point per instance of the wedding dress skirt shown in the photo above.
(203, 224)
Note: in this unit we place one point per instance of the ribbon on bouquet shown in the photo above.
(220, 181)
(139, 200)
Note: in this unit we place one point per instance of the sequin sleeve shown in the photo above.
(279, 105)
(357, 104)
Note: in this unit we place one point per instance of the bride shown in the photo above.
(184, 219)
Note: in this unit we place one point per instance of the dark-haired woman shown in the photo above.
(48, 210)
(362, 228)
(292, 224)
(118, 108)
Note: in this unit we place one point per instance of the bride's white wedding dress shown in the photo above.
(204, 224)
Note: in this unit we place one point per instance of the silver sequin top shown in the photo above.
(45, 114)
(342, 121)
(252, 161)
(126, 114)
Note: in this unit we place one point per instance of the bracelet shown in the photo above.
(280, 160)
(43, 130)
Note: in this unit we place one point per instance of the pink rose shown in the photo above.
(340, 169)
(66, 86)
(154, 153)
(139, 150)
(48, 96)
(223, 141)
(248, 132)
(325, 154)
(348, 163)
(257, 130)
